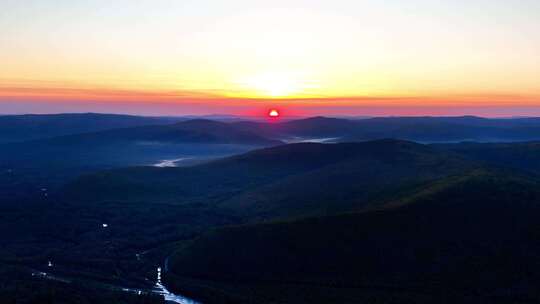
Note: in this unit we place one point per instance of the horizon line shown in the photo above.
(224, 115)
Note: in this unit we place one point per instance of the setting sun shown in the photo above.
(273, 113)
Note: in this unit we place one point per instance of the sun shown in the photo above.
(273, 113)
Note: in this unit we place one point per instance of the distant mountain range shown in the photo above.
(423, 129)
(191, 131)
(66, 156)
(16, 128)
(51, 149)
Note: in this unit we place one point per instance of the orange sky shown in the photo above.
(314, 57)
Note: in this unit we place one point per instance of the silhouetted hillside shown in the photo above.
(372, 172)
(524, 156)
(385, 221)
(472, 238)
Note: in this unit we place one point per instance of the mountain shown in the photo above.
(421, 129)
(523, 156)
(471, 238)
(145, 205)
(313, 127)
(385, 221)
(226, 176)
(318, 126)
(278, 181)
(190, 131)
(51, 162)
(371, 173)
(17, 128)
(449, 129)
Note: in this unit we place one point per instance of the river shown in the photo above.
(159, 288)
(165, 163)
(169, 296)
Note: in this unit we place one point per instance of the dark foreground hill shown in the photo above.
(375, 172)
(385, 221)
(523, 156)
(467, 239)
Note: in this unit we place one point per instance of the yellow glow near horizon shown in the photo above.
(274, 84)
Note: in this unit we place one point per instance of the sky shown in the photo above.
(305, 57)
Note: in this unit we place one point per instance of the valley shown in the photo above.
(384, 220)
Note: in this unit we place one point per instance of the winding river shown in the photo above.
(159, 288)
(169, 296)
